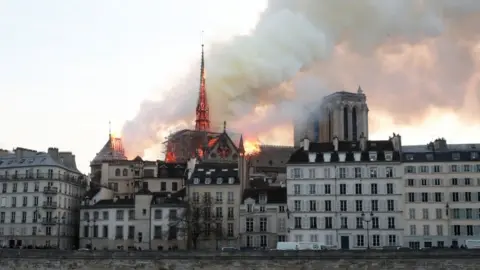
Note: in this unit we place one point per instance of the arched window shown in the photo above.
(117, 172)
(125, 172)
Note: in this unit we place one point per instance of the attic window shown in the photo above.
(208, 180)
(31, 160)
(373, 156)
(429, 157)
(224, 170)
(43, 159)
(473, 155)
(456, 156)
(262, 198)
(200, 169)
(409, 157)
(196, 180)
(219, 180)
(231, 180)
(388, 156)
(21, 161)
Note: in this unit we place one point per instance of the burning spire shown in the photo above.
(202, 121)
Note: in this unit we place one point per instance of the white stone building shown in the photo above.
(41, 193)
(148, 221)
(442, 194)
(346, 194)
(263, 217)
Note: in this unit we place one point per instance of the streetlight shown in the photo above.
(367, 219)
(59, 221)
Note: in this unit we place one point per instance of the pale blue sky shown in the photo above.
(68, 67)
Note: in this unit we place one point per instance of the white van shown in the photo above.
(287, 246)
(472, 244)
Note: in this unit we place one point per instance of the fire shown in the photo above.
(251, 147)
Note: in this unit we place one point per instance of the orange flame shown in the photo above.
(251, 147)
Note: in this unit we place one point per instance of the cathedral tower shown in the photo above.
(202, 121)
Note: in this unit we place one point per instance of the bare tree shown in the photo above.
(199, 221)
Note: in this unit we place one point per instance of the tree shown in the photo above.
(198, 221)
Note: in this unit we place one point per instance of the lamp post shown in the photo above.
(92, 223)
(59, 221)
(367, 218)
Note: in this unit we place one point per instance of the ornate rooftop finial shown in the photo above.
(202, 121)
(359, 90)
(224, 126)
(109, 130)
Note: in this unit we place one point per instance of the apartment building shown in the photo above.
(148, 221)
(442, 194)
(346, 194)
(41, 192)
(263, 217)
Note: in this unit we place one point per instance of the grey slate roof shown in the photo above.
(112, 150)
(214, 174)
(32, 158)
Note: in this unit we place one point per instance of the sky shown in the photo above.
(67, 68)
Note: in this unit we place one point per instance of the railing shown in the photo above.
(45, 176)
(50, 204)
(50, 189)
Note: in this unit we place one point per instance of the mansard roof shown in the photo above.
(272, 156)
(442, 156)
(214, 174)
(275, 195)
(380, 147)
(171, 170)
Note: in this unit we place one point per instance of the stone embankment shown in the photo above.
(303, 260)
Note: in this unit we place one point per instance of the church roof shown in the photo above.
(112, 150)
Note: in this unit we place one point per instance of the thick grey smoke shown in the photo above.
(408, 55)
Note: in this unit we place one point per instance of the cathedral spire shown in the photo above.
(202, 121)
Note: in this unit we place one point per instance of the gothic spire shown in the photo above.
(202, 121)
(241, 148)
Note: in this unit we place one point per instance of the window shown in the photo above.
(392, 240)
(119, 215)
(297, 173)
(456, 230)
(358, 172)
(437, 168)
(391, 222)
(297, 205)
(328, 206)
(438, 197)
(218, 197)
(174, 186)
(343, 205)
(313, 222)
(359, 223)
(312, 188)
(373, 172)
(158, 232)
(158, 214)
(374, 205)
(390, 205)
(389, 172)
(311, 173)
(230, 198)
(328, 222)
(298, 222)
(119, 232)
(455, 196)
(25, 187)
(117, 172)
(466, 168)
(327, 189)
(411, 213)
(358, 205)
(454, 181)
(372, 156)
(376, 240)
(343, 189)
(424, 197)
(411, 182)
(343, 173)
(131, 214)
(426, 230)
(424, 169)
(439, 230)
(360, 240)
(437, 182)
(313, 205)
(425, 213)
(424, 182)
(219, 212)
(358, 189)
(296, 189)
(438, 213)
(389, 188)
(469, 230)
(344, 222)
(249, 224)
(314, 238)
(196, 197)
(468, 196)
(163, 186)
(373, 189)
(413, 229)
(468, 182)
(263, 224)
(469, 213)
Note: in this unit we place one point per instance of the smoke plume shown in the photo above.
(408, 56)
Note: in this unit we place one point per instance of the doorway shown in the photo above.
(344, 242)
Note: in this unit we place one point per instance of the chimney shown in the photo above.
(306, 143)
(335, 143)
(363, 142)
(396, 140)
(115, 199)
(53, 153)
(440, 144)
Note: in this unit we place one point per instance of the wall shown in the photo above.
(445, 259)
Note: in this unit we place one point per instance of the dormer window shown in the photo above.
(388, 156)
(409, 157)
(262, 198)
(456, 156)
(249, 208)
(429, 157)
(473, 155)
(372, 156)
(231, 180)
(208, 180)
(196, 180)
(219, 180)
(342, 157)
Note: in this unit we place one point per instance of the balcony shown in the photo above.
(49, 205)
(50, 190)
(48, 221)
